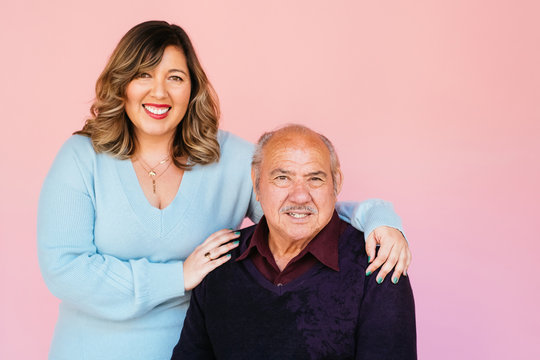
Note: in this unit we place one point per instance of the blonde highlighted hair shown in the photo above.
(141, 49)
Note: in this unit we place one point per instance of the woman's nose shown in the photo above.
(158, 89)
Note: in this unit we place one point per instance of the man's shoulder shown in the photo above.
(225, 276)
(352, 247)
(245, 238)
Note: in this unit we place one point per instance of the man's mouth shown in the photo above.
(298, 212)
(297, 215)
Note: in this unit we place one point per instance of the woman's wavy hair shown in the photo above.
(141, 49)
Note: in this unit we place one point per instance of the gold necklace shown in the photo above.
(152, 172)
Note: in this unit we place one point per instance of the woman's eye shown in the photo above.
(143, 75)
(176, 78)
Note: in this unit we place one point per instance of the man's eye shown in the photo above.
(316, 181)
(281, 179)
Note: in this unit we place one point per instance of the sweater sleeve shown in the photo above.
(387, 328)
(194, 341)
(238, 153)
(71, 265)
(255, 212)
(367, 215)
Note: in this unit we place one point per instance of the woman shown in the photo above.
(131, 195)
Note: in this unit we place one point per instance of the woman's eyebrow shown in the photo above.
(177, 70)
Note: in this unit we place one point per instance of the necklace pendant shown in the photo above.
(152, 173)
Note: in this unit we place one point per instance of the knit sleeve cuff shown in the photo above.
(370, 214)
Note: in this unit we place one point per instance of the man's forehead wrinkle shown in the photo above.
(285, 149)
(280, 162)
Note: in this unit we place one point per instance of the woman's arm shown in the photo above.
(73, 269)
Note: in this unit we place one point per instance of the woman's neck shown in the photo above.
(153, 149)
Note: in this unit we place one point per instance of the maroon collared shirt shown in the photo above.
(322, 248)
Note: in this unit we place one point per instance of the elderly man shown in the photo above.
(295, 287)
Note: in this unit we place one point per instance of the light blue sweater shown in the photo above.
(116, 262)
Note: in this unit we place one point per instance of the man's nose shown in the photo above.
(300, 193)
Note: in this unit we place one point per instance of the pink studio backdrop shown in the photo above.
(433, 105)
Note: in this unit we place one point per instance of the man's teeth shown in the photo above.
(157, 111)
(298, 216)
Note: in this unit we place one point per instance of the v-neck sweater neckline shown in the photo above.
(187, 192)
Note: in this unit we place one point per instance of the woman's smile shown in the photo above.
(157, 111)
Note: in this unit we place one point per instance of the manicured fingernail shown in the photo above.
(236, 242)
(379, 280)
(405, 273)
(395, 280)
(368, 273)
(229, 255)
(369, 259)
(237, 233)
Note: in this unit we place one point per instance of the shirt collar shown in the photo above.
(324, 246)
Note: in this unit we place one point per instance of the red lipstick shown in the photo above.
(156, 107)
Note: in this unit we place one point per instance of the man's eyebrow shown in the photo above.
(279, 171)
(316, 173)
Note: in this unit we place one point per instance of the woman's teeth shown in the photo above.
(156, 110)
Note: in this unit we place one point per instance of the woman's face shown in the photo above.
(157, 100)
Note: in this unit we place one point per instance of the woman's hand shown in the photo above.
(208, 256)
(393, 252)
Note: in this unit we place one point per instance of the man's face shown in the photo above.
(296, 190)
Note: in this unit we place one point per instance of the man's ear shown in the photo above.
(339, 181)
(254, 182)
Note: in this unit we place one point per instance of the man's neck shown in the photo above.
(284, 250)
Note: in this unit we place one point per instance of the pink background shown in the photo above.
(433, 105)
